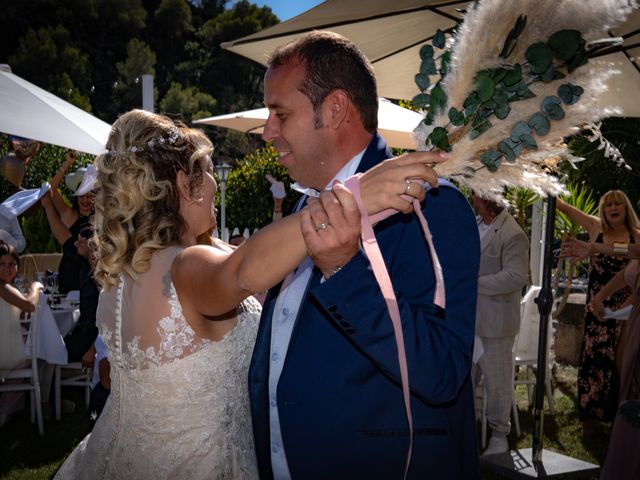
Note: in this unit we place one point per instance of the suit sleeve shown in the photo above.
(514, 261)
(438, 342)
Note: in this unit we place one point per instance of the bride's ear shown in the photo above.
(182, 183)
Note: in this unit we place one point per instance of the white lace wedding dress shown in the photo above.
(179, 406)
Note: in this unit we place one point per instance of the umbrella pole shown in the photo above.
(544, 301)
(515, 464)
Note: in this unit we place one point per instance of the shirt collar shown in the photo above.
(348, 170)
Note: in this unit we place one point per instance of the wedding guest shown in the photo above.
(325, 387)
(12, 305)
(504, 265)
(82, 206)
(77, 250)
(622, 461)
(597, 375)
(175, 316)
(73, 218)
(84, 333)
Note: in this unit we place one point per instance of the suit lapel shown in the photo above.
(493, 229)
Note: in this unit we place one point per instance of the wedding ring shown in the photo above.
(407, 189)
(322, 226)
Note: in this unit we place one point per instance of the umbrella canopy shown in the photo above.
(395, 123)
(391, 34)
(31, 112)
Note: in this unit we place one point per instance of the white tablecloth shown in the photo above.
(52, 326)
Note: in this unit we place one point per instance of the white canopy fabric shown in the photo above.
(29, 111)
(391, 33)
(395, 123)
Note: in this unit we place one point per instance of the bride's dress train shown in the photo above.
(178, 407)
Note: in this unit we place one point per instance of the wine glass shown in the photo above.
(52, 283)
(20, 283)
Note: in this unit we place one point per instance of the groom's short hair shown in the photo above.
(332, 62)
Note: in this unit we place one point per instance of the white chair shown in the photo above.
(525, 360)
(77, 377)
(26, 379)
(526, 348)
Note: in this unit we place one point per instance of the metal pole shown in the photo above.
(544, 301)
(223, 221)
(147, 92)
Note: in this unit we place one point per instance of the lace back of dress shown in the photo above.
(149, 328)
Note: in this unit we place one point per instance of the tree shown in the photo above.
(140, 60)
(187, 103)
(48, 57)
(602, 174)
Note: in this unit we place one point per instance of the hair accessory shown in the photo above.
(174, 135)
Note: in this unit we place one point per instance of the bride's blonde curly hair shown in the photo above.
(137, 201)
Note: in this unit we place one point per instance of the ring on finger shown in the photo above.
(321, 226)
(407, 189)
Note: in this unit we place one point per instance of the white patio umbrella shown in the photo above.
(391, 33)
(29, 111)
(395, 123)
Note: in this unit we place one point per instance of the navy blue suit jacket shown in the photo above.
(339, 396)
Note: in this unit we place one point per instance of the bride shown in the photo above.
(177, 318)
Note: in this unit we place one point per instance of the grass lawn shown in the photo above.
(25, 455)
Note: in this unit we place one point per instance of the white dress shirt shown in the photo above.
(284, 315)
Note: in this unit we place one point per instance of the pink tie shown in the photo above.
(372, 249)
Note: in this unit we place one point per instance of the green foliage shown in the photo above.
(583, 199)
(93, 53)
(248, 198)
(174, 17)
(521, 200)
(440, 139)
(187, 102)
(48, 58)
(35, 228)
(602, 174)
(510, 41)
(495, 88)
(438, 39)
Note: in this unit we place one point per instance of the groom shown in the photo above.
(324, 381)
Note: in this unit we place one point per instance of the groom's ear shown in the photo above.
(336, 108)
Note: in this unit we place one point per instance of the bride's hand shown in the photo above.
(383, 186)
(331, 229)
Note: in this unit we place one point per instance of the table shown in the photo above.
(53, 324)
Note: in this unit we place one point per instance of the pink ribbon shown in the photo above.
(372, 249)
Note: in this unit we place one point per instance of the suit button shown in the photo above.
(337, 316)
(332, 308)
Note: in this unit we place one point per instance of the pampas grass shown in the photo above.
(477, 47)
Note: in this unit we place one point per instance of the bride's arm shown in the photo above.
(215, 282)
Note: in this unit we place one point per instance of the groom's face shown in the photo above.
(296, 130)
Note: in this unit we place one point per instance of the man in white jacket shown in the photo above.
(503, 271)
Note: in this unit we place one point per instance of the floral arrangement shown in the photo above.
(515, 79)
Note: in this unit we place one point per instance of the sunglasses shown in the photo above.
(85, 234)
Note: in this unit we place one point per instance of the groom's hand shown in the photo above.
(331, 229)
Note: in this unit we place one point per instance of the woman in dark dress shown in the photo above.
(598, 381)
(74, 218)
(622, 462)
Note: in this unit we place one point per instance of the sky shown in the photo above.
(285, 9)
